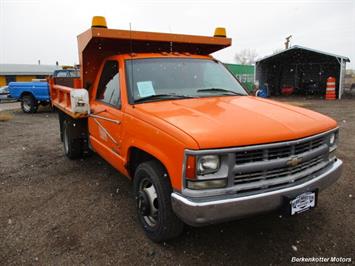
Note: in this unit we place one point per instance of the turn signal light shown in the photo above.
(191, 167)
(206, 184)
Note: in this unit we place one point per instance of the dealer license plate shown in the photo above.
(303, 202)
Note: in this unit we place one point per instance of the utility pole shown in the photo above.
(287, 41)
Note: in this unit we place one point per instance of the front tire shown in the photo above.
(152, 191)
(29, 104)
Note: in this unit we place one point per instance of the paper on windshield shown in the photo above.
(145, 88)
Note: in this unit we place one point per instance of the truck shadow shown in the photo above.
(45, 109)
(256, 240)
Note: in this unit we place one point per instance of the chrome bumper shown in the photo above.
(202, 211)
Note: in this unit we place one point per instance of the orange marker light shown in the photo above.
(98, 22)
(190, 167)
(220, 32)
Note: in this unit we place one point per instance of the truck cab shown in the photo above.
(198, 149)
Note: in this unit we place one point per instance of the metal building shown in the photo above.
(24, 72)
(245, 74)
(303, 69)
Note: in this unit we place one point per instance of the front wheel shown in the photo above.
(29, 104)
(152, 191)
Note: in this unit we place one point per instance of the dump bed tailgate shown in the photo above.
(72, 101)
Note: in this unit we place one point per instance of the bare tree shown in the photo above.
(246, 57)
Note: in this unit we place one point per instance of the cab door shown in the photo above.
(105, 120)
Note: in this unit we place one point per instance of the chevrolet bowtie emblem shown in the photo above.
(294, 161)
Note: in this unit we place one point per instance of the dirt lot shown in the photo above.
(9, 106)
(62, 212)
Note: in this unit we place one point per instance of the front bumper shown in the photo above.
(202, 211)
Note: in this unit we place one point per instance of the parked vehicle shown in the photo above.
(30, 94)
(287, 90)
(162, 111)
(4, 93)
(35, 93)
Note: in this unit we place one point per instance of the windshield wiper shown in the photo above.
(220, 90)
(162, 96)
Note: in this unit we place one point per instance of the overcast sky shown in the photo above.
(46, 30)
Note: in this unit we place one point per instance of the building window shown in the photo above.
(40, 77)
(10, 79)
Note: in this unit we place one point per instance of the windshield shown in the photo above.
(65, 73)
(156, 79)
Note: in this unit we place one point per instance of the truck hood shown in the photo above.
(238, 120)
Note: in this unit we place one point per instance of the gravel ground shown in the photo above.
(54, 211)
(9, 105)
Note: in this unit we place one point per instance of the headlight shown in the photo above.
(208, 164)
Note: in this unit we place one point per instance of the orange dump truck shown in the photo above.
(199, 150)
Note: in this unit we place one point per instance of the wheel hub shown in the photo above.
(26, 104)
(143, 203)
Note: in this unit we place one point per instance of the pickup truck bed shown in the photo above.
(31, 94)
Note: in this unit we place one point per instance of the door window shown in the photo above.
(108, 90)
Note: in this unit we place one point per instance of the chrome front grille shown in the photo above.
(272, 166)
(249, 156)
(277, 177)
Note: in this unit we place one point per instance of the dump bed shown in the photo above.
(74, 101)
(96, 44)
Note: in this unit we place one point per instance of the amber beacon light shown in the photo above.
(220, 32)
(98, 22)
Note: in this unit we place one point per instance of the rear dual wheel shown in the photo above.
(152, 190)
(72, 144)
